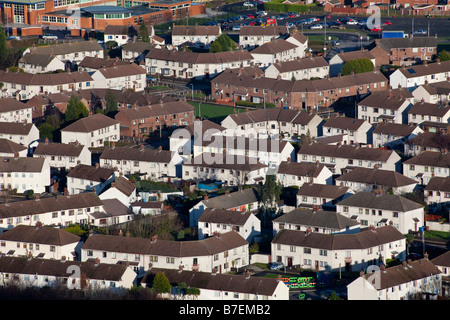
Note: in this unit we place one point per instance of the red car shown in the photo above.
(250, 16)
(375, 29)
(252, 23)
(387, 23)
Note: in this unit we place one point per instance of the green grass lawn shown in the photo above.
(438, 235)
(213, 112)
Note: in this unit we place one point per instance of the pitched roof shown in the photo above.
(346, 123)
(274, 31)
(425, 69)
(39, 79)
(382, 201)
(377, 177)
(93, 173)
(301, 64)
(322, 190)
(394, 129)
(40, 234)
(223, 282)
(58, 268)
(21, 164)
(432, 109)
(146, 155)
(439, 184)
(391, 99)
(413, 42)
(59, 149)
(430, 158)
(352, 55)
(91, 123)
(244, 143)
(205, 247)
(155, 110)
(361, 240)
(405, 273)
(225, 161)
(431, 140)
(442, 260)
(442, 87)
(16, 128)
(223, 216)
(11, 104)
(178, 30)
(115, 208)
(67, 48)
(123, 185)
(303, 169)
(274, 46)
(99, 63)
(320, 219)
(121, 70)
(233, 199)
(8, 146)
(37, 59)
(346, 151)
(44, 205)
(198, 57)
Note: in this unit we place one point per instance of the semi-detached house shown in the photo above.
(220, 252)
(197, 36)
(118, 77)
(188, 65)
(63, 155)
(274, 51)
(12, 110)
(21, 133)
(426, 165)
(252, 36)
(299, 69)
(413, 76)
(355, 130)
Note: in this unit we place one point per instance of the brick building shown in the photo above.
(233, 85)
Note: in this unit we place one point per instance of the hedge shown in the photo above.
(277, 6)
(252, 104)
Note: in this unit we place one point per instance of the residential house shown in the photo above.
(274, 51)
(40, 242)
(222, 252)
(427, 141)
(300, 40)
(37, 272)
(52, 211)
(325, 196)
(356, 130)
(92, 131)
(411, 280)
(62, 155)
(241, 200)
(273, 122)
(426, 165)
(71, 53)
(24, 173)
(386, 106)
(371, 179)
(214, 221)
(437, 193)
(124, 76)
(415, 76)
(197, 36)
(44, 104)
(442, 262)
(87, 178)
(338, 61)
(314, 220)
(12, 110)
(121, 189)
(10, 148)
(380, 208)
(337, 252)
(92, 64)
(436, 93)
(232, 170)
(298, 173)
(21, 133)
(422, 112)
(270, 152)
(254, 36)
(24, 86)
(232, 86)
(122, 34)
(114, 213)
(214, 286)
(40, 63)
(143, 120)
(299, 69)
(338, 157)
(394, 135)
(135, 51)
(187, 65)
(153, 164)
(404, 51)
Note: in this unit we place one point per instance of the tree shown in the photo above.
(271, 191)
(143, 34)
(75, 110)
(110, 102)
(46, 131)
(161, 283)
(3, 47)
(357, 66)
(222, 43)
(444, 55)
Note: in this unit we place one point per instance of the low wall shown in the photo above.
(260, 258)
(437, 226)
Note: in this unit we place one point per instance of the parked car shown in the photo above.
(251, 16)
(248, 4)
(316, 26)
(276, 266)
(236, 28)
(421, 31)
(49, 36)
(387, 23)
(14, 38)
(362, 22)
(352, 22)
(262, 13)
(151, 78)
